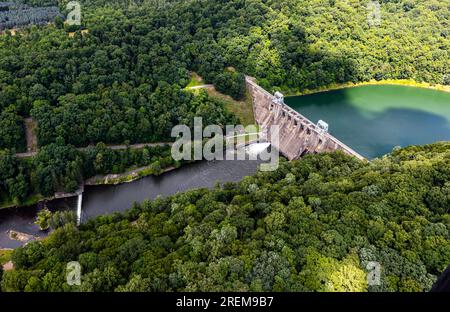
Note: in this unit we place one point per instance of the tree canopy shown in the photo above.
(312, 225)
(125, 72)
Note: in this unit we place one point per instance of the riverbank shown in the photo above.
(29, 201)
(132, 174)
(395, 82)
(37, 198)
(108, 199)
(126, 177)
(107, 179)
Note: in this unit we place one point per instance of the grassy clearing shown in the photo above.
(5, 255)
(83, 31)
(242, 109)
(196, 80)
(12, 31)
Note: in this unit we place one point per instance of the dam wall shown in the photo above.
(297, 134)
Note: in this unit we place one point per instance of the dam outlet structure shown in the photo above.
(298, 136)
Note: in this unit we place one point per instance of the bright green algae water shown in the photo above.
(374, 119)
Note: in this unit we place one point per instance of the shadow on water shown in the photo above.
(372, 135)
(19, 219)
(375, 133)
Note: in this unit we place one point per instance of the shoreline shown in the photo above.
(107, 179)
(126, 177)
(392, 82)
(138, 173)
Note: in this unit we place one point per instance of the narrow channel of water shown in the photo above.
(106, 199)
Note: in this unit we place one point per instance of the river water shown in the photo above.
(106, 199)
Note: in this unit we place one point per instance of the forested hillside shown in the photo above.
(62, 168)
(14, 15)
(106, 81)
(314, 224)
(120, 80)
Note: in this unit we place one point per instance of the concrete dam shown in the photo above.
(297, 135)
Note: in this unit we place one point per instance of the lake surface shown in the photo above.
(106, 199)
(374, 119)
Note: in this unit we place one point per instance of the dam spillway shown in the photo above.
(297, 134)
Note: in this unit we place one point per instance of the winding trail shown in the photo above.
(200, 87)
(113, 147)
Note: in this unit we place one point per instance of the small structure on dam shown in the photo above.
(298, 135)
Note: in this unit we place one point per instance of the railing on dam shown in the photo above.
(294, 142)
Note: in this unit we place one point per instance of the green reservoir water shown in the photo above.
(374, 119)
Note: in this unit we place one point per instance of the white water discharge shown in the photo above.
(257, 148)
(79, 204)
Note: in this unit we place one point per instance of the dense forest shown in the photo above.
(60, 167)
(312, 225)
(14, 15)
(121, 79)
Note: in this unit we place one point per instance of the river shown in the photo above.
(105, 199)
